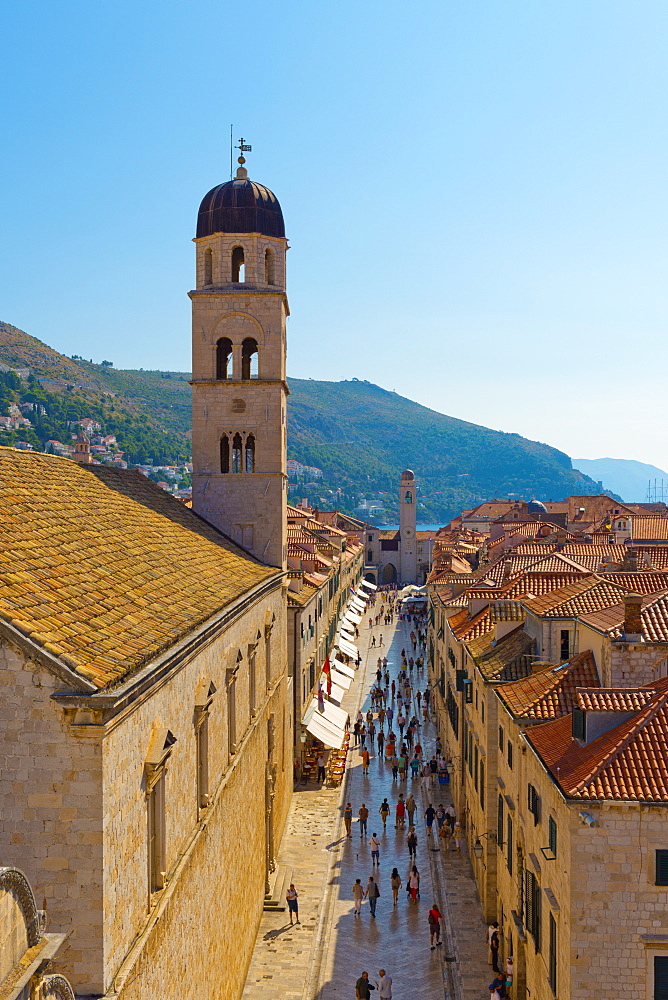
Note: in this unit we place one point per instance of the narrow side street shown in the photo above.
(321, 958)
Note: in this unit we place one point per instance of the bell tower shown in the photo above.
(239, 388)
(407, 526)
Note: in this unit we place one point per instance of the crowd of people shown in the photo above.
(392, 732)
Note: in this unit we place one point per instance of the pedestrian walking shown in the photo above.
(363, 986)
(292, 897)
(497, 988)
(450, 816)
(374, 844)
(412, 841)
(384, 811)
(321, 769)
(363, 735)
(348, 818)
(396, 883)
(380, 740)
(356, 732)
(395, 767)
(373, 640)
(381, 639)
(358, 896)
(365, 755)
(390, 715)
(372, 893)
(444, 835)
(457, 835)
(400, 813)
(401, 722)
(411, 808)
(414, 885)
(430, 815)
(384, 985)
(364, 816)
(509, 971)
(434, 916)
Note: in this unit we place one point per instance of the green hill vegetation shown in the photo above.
(359, 434)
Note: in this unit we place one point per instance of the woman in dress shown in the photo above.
(395, 881)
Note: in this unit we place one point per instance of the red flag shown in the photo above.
(327, 670)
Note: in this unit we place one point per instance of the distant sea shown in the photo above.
(419, 527)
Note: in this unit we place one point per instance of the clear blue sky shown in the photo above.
(475, 194)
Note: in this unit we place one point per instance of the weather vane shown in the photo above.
(243, 147)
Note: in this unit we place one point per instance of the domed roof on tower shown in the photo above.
(240, 206)
(407, 476)
(536, 507)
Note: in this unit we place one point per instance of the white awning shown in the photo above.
(343, 668)
(347, 647)
(337, 716)
(346, 633)
(357, 606)
(366, 583)
(342, 680)
(330, 736)
(350, 616)
(337, 693)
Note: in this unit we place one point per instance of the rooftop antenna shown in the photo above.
(231, 150)
(243, 147)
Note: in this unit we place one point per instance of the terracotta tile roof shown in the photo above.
(104, 569)
(485, 620)
(643, 582)
(506, 660)
(654, 615)
(613, 699)
(627, 763)
(549, 692)
(650, 527)
(510, 565)
(589, 594)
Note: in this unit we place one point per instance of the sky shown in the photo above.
(475, 194)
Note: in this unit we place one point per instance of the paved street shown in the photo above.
(323, 956)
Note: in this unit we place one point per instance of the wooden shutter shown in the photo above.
(662, 867)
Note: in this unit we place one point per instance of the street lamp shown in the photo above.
(478, 847)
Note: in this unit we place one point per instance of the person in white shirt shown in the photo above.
(384, 986)
(374, 844)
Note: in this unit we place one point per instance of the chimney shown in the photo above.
(630, 563)
(632, 627)
(507, 567)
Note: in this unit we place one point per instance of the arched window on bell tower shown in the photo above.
(269, 271)
(409, 497)
(236, 453)
(208, 266)
(224, 453)
(238, 266)
(249, 358)
(250, 453)
(224, 358)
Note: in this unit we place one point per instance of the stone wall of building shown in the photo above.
(51, 810)
(74, 816)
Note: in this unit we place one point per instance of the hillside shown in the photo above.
(359, 434)
(624, 476)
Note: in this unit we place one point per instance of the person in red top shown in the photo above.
(434, 917)
(400, 813)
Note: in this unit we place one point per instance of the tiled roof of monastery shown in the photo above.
(627, 763)
(549, 692)
(103, 569)
(654, 615)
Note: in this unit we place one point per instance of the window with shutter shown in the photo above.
(662, 867)
(501, 739)
(579, 725)
(499, 822)
(552, 958)
(482, 784)
(510, 755)
(509, 844)
(552, 834)
(660, 977)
